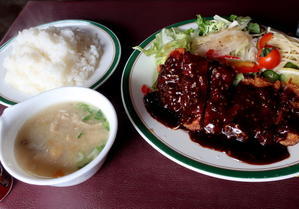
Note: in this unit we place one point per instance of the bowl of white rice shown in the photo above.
(57, 54)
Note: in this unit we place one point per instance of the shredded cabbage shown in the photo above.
(166, 41)
(288, 47)
(231, 41)
(171, 38)
(218, 23)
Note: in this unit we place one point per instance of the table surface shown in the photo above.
(135, 175)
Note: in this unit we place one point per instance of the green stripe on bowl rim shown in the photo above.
(107, 74)
(3, 100)
(236, 175)
(116, 57)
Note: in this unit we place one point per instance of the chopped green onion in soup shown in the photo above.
(61, 139)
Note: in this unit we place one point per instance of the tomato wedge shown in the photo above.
(145, 89)
(211, 53)
(177, 52)
(271, 60)
(264, 40)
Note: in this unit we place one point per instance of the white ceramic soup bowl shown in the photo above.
(14, 117)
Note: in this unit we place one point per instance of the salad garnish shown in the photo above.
(166, 41)
(235, 40)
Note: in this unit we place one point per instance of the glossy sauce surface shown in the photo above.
(182, 85)
(246, 121)
(251, 151)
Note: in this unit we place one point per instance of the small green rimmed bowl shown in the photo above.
(108, 62)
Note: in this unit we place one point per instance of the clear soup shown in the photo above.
(61, 139)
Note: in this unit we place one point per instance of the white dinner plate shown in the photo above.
(108, 61)
(176, 144)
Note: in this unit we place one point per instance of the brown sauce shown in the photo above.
(163, 115)
(251, 121)
(250, 151)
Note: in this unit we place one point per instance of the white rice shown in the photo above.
(43, 59)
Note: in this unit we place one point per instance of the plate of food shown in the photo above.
(219, 96)
(57, 54)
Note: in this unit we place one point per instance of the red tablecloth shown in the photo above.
(135, 175)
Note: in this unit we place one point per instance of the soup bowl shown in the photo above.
(14, 117)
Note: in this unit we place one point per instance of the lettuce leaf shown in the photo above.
(166, 41)
(206, 26)
(243, 21)
(169, 39)
(254, 28)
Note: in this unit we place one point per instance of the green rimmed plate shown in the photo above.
(176, 144)
(108, 62)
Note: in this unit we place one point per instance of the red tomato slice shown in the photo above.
(177, 52)
(264, 40)
(211, 53)
(271, 60)
(145, 89)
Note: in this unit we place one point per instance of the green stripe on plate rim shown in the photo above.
(116, 57)
(3, 100)
(267, 175)
(108, 72)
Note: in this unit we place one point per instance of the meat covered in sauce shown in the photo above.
(182, 86)
(253, 121)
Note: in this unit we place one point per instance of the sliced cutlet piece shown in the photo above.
(168, 82)
(220, 86)
(182, 84)
(288, 120)
(156, 109)
(194, 85)
(254, 111)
